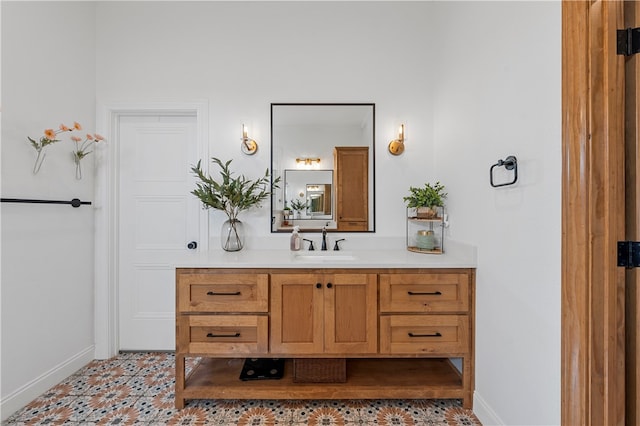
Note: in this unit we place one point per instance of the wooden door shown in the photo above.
(351, 170)
(593, 206)
(297, 319)
(350, 314)
(632, 137)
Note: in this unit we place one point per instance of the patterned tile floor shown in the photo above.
(137, 388)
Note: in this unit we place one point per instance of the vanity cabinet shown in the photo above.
(315, 313)
(351, 171)
(398, 328)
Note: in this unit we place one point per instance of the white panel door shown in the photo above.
(158, 218)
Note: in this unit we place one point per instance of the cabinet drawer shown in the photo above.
(438, 292)
(424, 334)
(227, 334)
(211, 292)
(352, 225)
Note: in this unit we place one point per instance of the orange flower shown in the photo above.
(76, 138)
(97, 137)
(89, 136)
(64, 128)
(77, 125)
(50, 134)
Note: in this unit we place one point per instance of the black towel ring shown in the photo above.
(509, 163)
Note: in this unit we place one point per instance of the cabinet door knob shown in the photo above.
(192, 245)
(318, 285)
(329, 285)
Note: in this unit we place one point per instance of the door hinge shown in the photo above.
(629, 254)
(628, 41)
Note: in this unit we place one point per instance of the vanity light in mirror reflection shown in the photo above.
(335, 140)
(308, 163)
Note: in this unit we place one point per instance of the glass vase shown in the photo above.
(232, 235)
(39, 159)
(78, 170)
(76, 159)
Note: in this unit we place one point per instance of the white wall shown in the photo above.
(242, 56)
(454, 73)
(48, 78)
(498, 94)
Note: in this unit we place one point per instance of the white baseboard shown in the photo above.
(28, 392)
(484, 412)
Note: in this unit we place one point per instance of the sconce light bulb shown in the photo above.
(401, 132)
(244, 132)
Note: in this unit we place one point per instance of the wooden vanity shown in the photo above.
(397, 328)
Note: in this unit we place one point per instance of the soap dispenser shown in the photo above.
(296, 241)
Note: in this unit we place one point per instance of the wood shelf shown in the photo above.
(417, 378)
(419, 219)
(419, 250)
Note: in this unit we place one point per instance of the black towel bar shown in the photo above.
(74, 203)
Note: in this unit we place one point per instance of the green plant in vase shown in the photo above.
(426, 199)
(232, 195)
(286, 214)
(298, 206)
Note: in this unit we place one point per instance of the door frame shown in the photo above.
(592, 348)
(106, 207)
(632, 163)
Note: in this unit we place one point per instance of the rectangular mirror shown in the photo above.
(308, 194)
(319, 201)
(324, 154)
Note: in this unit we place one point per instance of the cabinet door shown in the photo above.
(350, 313)
(352, 187)
(297, 305)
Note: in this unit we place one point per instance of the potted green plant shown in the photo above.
(426, 199)
(286, 214)
(232, 195)
(298, 206)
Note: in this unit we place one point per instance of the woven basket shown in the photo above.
(319, 370)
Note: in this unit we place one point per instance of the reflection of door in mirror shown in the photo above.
(319, 200)
(351, 165)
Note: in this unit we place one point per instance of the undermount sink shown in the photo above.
(323, 256)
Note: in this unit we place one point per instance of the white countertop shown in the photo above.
(456, 256)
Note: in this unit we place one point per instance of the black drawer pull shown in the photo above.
(222, 293)
(436, 334)
(424, 293)
(329, 285)
(223, 335)
(318, 285)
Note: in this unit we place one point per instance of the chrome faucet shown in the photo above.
(324, 238)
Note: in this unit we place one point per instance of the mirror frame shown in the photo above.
(372, 171)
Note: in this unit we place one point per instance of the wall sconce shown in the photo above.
(308, 161)
(396, 146)
(249, 146)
